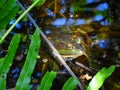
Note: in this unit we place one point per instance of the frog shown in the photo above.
(71, 43)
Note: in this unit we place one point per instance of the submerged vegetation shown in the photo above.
(59, 45)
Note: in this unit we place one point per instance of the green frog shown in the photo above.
(71, 43)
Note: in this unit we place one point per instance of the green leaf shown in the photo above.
(5, 65)
(47, 80)
(100, 77)
(2, 32)
(39, 3)
(2, 59)
(2, 83)
(25, 75)
(4, 22)
(2, 2)
(70, 84)
(4, 11)
(20, 17)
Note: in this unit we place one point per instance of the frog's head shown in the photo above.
(69, 47)
(69, 43)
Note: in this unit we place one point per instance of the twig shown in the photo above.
(83, 66)
(55, 52)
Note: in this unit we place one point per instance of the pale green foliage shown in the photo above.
(70, 84)
(27, 70)
(8, 60)
(8, 11)
(100, 77)
(47, 80)
(39, 3)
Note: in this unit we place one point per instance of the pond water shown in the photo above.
(79, 30)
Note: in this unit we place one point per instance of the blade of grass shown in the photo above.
(2, 59)
(4, 11)
(4, 22)
(39, 3)
(4, 66)
(70, 84)
(25, 75)
(2, 83)
(100, 77)
(7, 62)
(47, 80)
(21, 16)
(2, 3)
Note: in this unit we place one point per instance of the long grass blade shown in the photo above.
(25, 75)
(39, 3)
(5, 65)
(2, 2)
(1, 60)
(2, 83)
(4, 11)
(20, 17)
(70, 84)
(100, 77)
(47, 80)
(4, 22)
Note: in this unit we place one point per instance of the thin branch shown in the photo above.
(83, 66)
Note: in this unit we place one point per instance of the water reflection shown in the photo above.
(63, 10)
(47, 32)
(59, 21)
(102, 7)
(68, 22)
(79, 21)
(98, 17)
(49, 12)
(91, 1)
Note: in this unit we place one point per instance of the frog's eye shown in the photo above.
(69, 46)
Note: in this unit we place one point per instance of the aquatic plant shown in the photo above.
(8, 60)
(8, 10)
(48, 78)
(100, 77)
(24, 78)
(21, 16)
(30, 62)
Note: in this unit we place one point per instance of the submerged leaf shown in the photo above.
(47, 80)
(25, 75)
(100, 77)
(70, 84)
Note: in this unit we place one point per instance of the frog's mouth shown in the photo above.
(70, 54)
(70, 51)
(69, 57)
